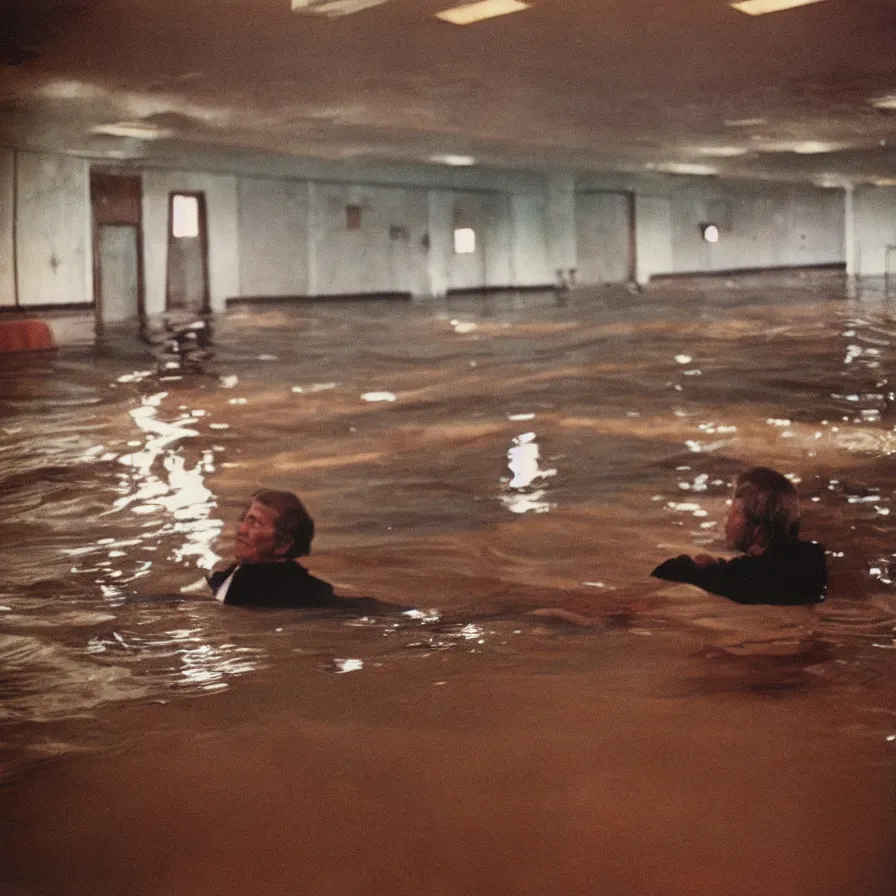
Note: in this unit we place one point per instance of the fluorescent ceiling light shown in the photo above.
(803, 147)
(476, 12)
(744, 122)
(761, 7)
(885, 102)
(831, 181)
(721, 152)
(811, 147)
(884, 181)
(333, 8)
(453, 160)
(135, 129)
(685, 168)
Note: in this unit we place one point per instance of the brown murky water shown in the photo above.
(479, 458)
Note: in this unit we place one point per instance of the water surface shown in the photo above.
(513, 465)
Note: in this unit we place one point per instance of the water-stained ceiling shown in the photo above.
(581, 85)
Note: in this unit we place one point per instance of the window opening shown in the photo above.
(184, 216)
(464, 241)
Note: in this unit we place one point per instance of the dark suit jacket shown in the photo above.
(289, 585)
(794, 572)
(285, 584)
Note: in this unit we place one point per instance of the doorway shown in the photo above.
(186, 276)
(115, 200)
(119, 280)
(605, 237)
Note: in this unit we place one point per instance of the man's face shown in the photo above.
(256, 536)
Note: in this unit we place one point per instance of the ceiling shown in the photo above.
(574, 85)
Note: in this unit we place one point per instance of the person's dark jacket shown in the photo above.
(288, 584)
(794, 572)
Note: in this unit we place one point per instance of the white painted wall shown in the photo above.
(561, 224)
(273, 237)
(281, 230)
(603, 237)
(782, 226)
(223, 232)
(53, 246)
(529, 265)
(386, 254)
(7, 204)
(874, 228)
(653, 236)
(440, 204)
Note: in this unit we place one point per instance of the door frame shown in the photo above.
(199, 196)
(116, 214)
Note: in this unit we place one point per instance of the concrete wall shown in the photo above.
(7, 204)
(283, 231)
(273, 237)
(874, 228)
(653, 236)
(385, 253)
(529, 262)
(603, 237)
(560, 214)
(762, 225)
(53, 246)
(223, 232)
(783, 227)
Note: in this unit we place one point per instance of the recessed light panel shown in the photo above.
(134, 129)
(686, 168)
(476, 12)
(721, 152)
(457, 161)
(333, 8)
(761, 7)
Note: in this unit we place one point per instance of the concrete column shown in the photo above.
(853, 263)
(441, 245)
(313, 230)
(560, 219)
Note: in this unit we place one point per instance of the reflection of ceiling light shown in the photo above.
(884, 181)
(761, 7)
(476, 12)
(133, 129)
(453, 160)
(744, 122)
(333, 8)
(885, 102)
(721, 152)
(684, 168)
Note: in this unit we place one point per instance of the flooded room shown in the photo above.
(448, 450)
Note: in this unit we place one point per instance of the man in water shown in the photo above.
(763, 524)
(274, 531)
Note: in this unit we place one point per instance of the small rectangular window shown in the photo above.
(353, 217)
(184, 216)
(464, 241)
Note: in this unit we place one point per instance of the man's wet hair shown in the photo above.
(769, 503)
(292, 520)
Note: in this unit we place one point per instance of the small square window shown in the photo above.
(464, 241)
(184, 216)
(353, 217)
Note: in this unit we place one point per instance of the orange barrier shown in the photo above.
(25, 335)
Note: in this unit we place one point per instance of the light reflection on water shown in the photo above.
(119, 485)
